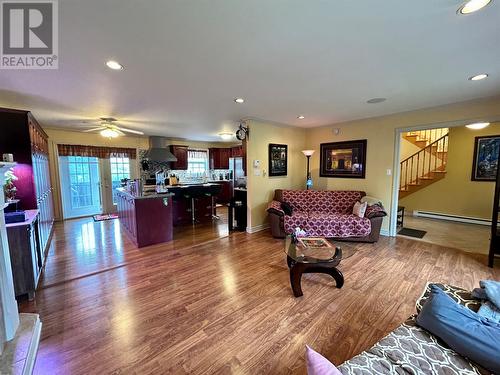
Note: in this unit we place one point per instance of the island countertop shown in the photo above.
(152, 195)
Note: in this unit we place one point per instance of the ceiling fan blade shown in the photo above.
(92, 130)
(130, 130)
(119, 131)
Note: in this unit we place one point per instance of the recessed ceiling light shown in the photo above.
(478, 77)
(301, 117)
(226, 136)
(472, 6)
(376, 100)
(115, 65)
(239, 100)
(477, 125)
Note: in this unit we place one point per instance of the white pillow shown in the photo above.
(359, 209)
(370, 200)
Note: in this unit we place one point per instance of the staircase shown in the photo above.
(426, 166)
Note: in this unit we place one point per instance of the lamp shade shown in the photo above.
(308, 152)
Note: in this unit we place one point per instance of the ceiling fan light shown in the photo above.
(226, 136)
(109, 133)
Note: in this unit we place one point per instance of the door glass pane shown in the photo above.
(80, 185)
(120, 169)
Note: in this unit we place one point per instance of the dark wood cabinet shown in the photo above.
(236, 151)
(147, 220)
(181, 153)
(219, 158)
(226, 192)
(22, 136)
(26, 255)
(181, 211)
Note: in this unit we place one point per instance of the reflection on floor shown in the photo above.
(225, 306)
(472, 238)
(83, 247)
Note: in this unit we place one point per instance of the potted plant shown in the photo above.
(9, 188)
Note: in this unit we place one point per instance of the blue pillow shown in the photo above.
(462, 329)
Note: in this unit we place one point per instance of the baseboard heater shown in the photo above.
(462, 219)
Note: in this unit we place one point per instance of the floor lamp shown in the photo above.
(308, 154)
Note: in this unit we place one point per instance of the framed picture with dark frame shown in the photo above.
(485, 159)
(343, 159)
(278, 159)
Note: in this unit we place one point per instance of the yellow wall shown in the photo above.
(380, 133)
(456, 194)
(261, 188)
(407, 149)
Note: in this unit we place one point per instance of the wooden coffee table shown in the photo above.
(315, 260)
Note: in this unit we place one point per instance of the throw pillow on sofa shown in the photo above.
(287, 208)
(319, 365)
(461, 329)
(359, 209)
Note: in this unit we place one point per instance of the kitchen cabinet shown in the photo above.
(181, 153)
(181, 211)
(26, 255)
(23, 137)
(226, 192)
(219, 158)
(146, 219)
(236, 151)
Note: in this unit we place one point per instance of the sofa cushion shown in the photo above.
(297, 219)
(337, 225)
(461, 329)
(459, 295)
(299, 199)
(342, 202)
(409, 349)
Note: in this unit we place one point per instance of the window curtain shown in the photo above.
(96, 151)
(197, 154)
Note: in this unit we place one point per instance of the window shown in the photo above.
(197, 161)
(120, 168)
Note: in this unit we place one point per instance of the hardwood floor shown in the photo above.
(224, 306)
(472, 238)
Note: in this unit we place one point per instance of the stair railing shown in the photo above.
(429, 135)
(423, 163)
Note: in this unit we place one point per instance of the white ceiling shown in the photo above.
(186, 60)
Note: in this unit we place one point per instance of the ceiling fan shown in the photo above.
(109, 129)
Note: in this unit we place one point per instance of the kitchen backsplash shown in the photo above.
(181, 174)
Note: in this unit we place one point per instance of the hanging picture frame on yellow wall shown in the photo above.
(343, 159)
(485, 160)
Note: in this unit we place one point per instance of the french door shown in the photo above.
(80, 186)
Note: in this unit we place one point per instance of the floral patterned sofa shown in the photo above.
(325, 213)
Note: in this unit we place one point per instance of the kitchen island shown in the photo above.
(146, 218)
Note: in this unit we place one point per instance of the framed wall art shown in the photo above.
(343, 159)
(278, 159)
(485, 159)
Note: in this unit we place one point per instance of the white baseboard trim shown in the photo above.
(385, 232)
(448, 217)
(257, 228)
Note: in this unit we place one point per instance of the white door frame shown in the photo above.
(397, 147)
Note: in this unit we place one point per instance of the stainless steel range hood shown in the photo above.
(158, 150)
